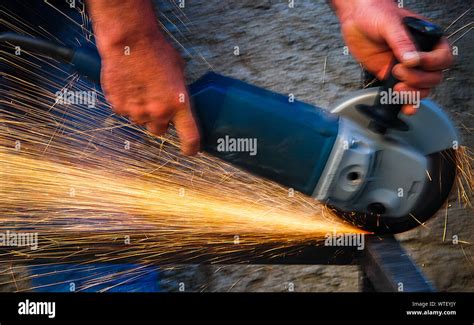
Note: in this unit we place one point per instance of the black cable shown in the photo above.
(38, 46)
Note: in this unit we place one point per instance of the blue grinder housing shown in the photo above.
(294, 139)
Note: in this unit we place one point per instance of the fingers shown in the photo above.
(157, 127)
(138, 115)
(156, 119)
(187, 131)
(409, 109)
(181, 115)
(428, 64)
(418, 94)
(398, 39)
(404, 87)
(160, 118)
(416, 77)
(438, 59)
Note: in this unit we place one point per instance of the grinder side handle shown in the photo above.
(425, 35)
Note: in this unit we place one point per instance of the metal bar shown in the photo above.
(388, 268)
(384, 263)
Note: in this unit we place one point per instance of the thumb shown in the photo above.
(399, 40)
(187, 131)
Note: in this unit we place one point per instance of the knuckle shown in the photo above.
(418, 79)
(194, 139)
(160, 114)
(398, 72)
(400, 86)
(138, 112)
(158, 129)
(192, 135)
(424, 93)
(449, 60)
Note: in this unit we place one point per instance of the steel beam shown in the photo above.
(387, 267)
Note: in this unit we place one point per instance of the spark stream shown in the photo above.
(81, 177)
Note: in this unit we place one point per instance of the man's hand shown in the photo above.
(142, 74)
(374, 32)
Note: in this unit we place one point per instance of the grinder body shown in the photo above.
(293, 140)
(381, 182)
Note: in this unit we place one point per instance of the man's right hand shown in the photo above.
(142, 74)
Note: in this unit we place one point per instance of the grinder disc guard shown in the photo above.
(442, 171)
(430, 133)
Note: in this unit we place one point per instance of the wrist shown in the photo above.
(121, 23)
(112, 40)
(344, 9)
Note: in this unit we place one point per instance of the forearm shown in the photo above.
(344, 8)
(119, 23)
(340, 7)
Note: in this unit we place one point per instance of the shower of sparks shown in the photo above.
(73, 168)
(457, 19)
(465, 176)
(464, 29)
